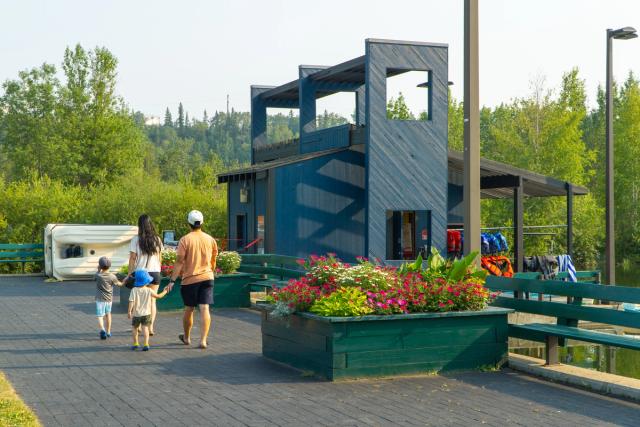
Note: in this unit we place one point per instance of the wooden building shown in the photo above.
(379, 187)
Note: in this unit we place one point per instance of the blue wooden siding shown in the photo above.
(320, 206)
(456, 209)
(325, 139)
(406, 161)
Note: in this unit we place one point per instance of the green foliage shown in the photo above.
(342, 303)
(397, 109)
(27, 206)
(68, 130)
(461, 267)
(228, 261)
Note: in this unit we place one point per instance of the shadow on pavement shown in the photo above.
(236, 369)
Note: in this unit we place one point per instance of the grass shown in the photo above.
(13, 411)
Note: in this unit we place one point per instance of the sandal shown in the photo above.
(181, 338)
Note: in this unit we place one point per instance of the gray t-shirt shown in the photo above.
(105, 282)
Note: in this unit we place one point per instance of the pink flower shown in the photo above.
(300, 261)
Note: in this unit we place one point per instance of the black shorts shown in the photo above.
(157, 277)
(197, 293)
(142, 320)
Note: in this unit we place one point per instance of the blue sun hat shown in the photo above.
(143, 278)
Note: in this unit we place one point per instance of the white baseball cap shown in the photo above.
(195, 217)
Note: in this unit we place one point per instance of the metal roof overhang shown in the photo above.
(251, 171)
(497, 179)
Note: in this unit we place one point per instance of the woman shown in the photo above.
(145, 252)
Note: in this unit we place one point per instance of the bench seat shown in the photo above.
(540, 331)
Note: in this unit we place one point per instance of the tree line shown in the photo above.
(72, 150)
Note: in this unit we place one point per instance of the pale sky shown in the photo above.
(197, 52)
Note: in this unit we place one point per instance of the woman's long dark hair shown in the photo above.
(148, 239)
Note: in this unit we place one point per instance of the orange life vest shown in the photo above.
(497, 265)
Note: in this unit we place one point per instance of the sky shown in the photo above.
(198, 52)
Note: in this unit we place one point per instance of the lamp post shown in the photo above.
(625, 33)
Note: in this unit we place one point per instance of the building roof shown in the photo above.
(346, 76)
(250, 171)
(497, 179)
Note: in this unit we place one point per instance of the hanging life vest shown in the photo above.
(502, 242)
(494, 243)
(484, 244)
(454, 241)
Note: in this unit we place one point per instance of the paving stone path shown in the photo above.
(50, 351)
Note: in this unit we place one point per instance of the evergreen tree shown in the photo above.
(168, 120)
(180, 122)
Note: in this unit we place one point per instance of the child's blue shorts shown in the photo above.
(102, 308)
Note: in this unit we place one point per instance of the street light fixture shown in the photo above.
(624, 33)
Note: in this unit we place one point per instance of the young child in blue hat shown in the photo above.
(140, 307)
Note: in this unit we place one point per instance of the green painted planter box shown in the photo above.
(351, 347)
(229, 291)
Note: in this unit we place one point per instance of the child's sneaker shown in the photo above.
(103, 334)
(108, 334)
(145, 348)
(135, 347)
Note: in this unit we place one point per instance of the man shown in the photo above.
(195, 263)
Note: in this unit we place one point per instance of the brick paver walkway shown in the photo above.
(50, 351)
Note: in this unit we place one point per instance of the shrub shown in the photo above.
(228, 261)
(343, 302)
(368, 277)
(298, 295)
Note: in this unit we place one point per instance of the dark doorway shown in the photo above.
(241, 231)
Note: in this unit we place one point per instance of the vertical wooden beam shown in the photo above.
(551, 350)
(518, 226)
(471, 197)
(258, 118)
(569, 219)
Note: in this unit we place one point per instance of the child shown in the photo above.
(140, 306)
(105, 282)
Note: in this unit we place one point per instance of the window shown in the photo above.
(408, 234)
(335, 109)
(408, 95)
(283, 125)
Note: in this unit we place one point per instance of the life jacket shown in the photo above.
(484, 244)
(494, 244)
(502, 242)
(454, 241)
(497, 265)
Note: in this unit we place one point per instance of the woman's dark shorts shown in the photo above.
(197, 294)
(156, 277)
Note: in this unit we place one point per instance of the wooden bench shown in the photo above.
(582, 276)
(21, 253)
(270, 270)
(568, 314)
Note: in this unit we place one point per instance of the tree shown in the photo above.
(78, 131)
(180, 122)
(29, 105)
(168, 120)
(397, 109)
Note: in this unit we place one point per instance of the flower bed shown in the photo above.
(344, 321)
(333, 288)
